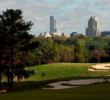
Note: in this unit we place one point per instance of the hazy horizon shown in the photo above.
(71, 15)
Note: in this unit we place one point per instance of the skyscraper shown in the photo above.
(52, 25)
(93, 27)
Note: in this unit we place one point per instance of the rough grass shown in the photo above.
(63, 70)
(93, 92)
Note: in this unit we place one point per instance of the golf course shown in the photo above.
(93, 92)
(64, 70)
(44, 74)
(68, 60)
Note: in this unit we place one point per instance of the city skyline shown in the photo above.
(71, 15)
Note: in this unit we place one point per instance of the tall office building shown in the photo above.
(93, 27)
(53, 28)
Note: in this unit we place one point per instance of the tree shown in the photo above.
(65, 53)
(97, 49)
(14, 33)
(98, 54)
(80, 50)
(46, 51)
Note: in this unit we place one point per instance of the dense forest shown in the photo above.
(75, 49)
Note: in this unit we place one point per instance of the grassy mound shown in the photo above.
(63, 70)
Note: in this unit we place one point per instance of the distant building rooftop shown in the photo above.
(105, 33)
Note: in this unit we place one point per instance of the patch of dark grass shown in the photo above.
(33, 85)
(93, 92)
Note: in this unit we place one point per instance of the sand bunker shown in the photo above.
(73, 83)
(80, 82)
(100, 67)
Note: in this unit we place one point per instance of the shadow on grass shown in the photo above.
(34, 85)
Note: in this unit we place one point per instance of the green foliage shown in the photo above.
(65, 53)
(14, 32)
(80, 50)
(76, 49)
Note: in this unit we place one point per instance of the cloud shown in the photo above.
(71, 15)
(104, 13)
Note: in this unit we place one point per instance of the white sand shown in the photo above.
(100, 67)
(80, 82)
(75, 83)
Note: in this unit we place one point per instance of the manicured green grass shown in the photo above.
(46, 73)
(63, 70)
(93, 92)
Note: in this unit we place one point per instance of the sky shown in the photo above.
(71, 15)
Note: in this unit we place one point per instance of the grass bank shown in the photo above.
(64, 70)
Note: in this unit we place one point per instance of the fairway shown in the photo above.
(64, 70)
(93, 92)
(46, 73)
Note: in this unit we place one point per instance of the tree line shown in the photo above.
(80, 49)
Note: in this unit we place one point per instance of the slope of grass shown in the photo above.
(93, 92)
(63, 70)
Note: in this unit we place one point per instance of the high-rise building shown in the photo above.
(93, 27)
(53, 28)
